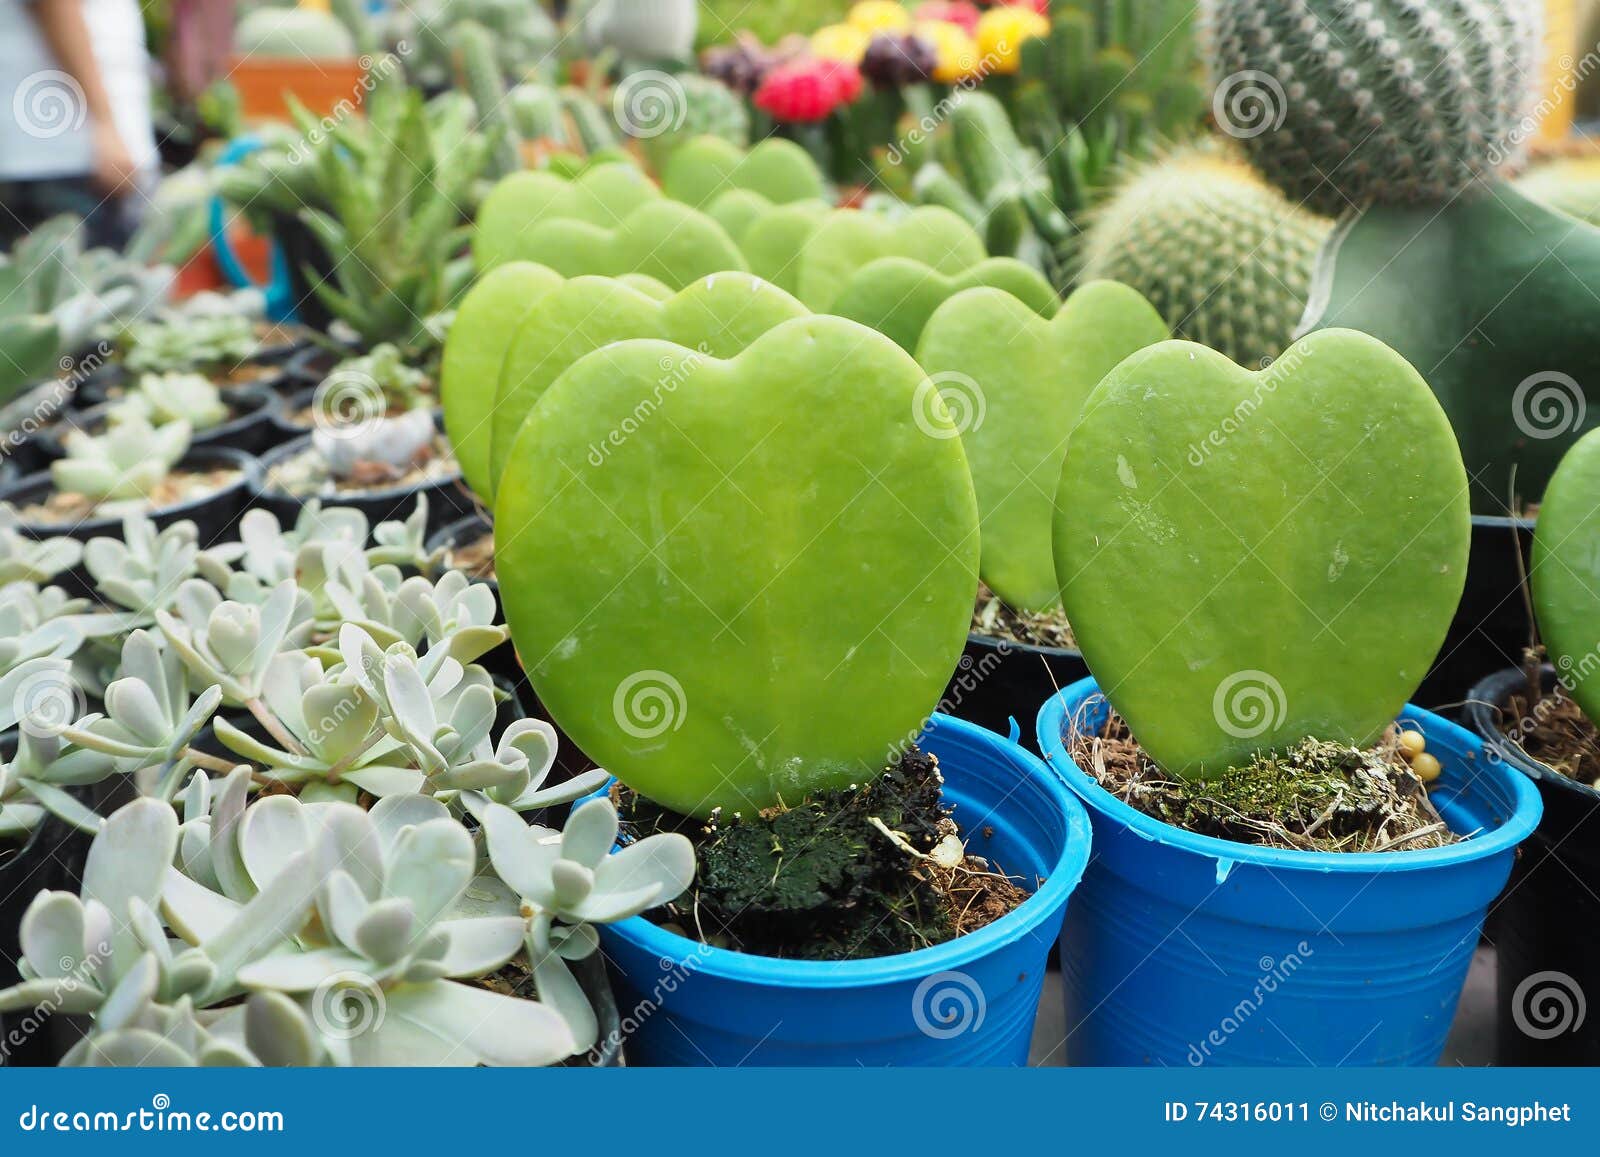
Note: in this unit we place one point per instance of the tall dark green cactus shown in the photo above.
(488, 91)
(1111, 75)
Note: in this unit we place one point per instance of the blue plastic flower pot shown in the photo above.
(1182, 949)
(968, 1002)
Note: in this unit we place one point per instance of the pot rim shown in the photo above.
(249, 468)
(1524, 816)
(1485, 702)
(259, 489)
(994, 641)
(1061, 878)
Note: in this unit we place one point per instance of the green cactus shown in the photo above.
(781, 171)
(475, 348)
(1226, 260)
(536, 109)
(591, 124)
(603, 195)
(1007, 179)
(1021, 381)
(1490, 294)
(1110, 77)
(734, 651)
(1249, 559)
(1566, 572)
(488, 91)
(897, 295)
(1382, 102)
(718, 316)
(293, 33)
(706, 108)
(847, 239)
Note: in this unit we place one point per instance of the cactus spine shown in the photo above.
(1223, 257)
(1360, 102)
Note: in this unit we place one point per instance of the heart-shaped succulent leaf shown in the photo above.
(1020, 382)
(717, 316)
(781, 171)
(735, 603)
(1566, 572)
(1249, 559)
(665, 240)
(847, 239)
(772, 242)
(603, 195)
(469, 373)
(897, 295)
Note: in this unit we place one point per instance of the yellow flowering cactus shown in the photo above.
(955, 53)
(842, 42)
(879, 16)
(1001, 32)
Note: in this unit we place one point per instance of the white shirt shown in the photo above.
(44, 124)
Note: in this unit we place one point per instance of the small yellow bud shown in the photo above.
(1426, 767)
(1412, 744)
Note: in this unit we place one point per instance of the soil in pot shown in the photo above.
(474, 557)
(993, 619)
(182, 485)
(1554, 730)
(1317, 797)
(844, 875)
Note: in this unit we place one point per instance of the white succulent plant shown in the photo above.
(26, 559)
(126, 462)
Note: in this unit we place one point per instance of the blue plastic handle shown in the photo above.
(279, 292)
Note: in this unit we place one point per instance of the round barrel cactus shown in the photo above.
(1223, 257)
(1346, 103)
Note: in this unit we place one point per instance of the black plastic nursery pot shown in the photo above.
(215, 514)
(997, 680)
(449, 500)
(1491, 626)
(968, 1002)
(1544, 926)
(251, 429)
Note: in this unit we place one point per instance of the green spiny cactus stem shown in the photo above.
(1003, 175)
(536, 110)
(1361, 102)
(590, 123)
(488, 91)
(705, 108)
(1225, 258)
